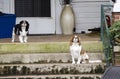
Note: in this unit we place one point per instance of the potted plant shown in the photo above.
(114, 31)
(63, 2)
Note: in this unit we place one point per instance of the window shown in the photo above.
(33, 8)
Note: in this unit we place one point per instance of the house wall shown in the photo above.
(58, 10)
(38, 25)
(115, 16)
(6, 6)
(1, 4)
(87, 15)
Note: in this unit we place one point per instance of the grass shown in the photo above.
(49, 47)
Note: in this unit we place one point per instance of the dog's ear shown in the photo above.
(27, 27)
(71, 40)
(27, 22)
(79, 40)
(21, 22)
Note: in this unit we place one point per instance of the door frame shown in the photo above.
(38, 25)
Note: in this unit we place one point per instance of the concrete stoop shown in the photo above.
(65, 76)
(52, 71)
(50, 66)
(45, 58)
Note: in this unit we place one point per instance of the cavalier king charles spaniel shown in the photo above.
(21, 30)
(77, 51)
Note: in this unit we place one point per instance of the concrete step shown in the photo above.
(25, 61)
(117, 56)
(65, 76)
(117, 61)
(51, 69)
(116, 48)
(45, 58)
(50, 47)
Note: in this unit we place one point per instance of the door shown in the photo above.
(39, 13)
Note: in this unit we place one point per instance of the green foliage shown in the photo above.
(115, 30)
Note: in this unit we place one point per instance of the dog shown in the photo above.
(77, 51)
(84, 56)
(21, 30)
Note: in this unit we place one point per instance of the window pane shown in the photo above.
(32, 8)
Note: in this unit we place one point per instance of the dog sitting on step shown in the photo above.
(21, 30)
(77, 51)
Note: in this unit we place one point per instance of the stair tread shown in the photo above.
(44, 76)
(44, 58)
(69, 64)
(117, 55)
(53, 75)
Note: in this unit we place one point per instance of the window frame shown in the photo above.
(33, 6)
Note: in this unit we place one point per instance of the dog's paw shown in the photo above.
(73, 62)
(78, 62)
(21, 42)
(12, 41)
(25, 41)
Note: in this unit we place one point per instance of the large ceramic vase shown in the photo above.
(67, 20)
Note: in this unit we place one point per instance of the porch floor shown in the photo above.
(55, 38)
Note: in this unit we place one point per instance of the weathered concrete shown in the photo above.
(93, 76)
(116, 48)
(44, 58)
(58, 68)
(51, 69)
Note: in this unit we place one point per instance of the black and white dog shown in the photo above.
(21, 30)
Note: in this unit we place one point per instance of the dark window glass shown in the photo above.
(32, 8)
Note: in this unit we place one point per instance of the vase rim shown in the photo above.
(67, 4)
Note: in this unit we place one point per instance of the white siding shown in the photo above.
(58, 9)
(6, 6)
(41, 25)
(88, 14)
(38, 25)
(1, 5)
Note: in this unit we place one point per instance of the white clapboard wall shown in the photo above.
(87, 14)
(1, 5)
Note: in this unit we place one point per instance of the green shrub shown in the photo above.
(115, 31)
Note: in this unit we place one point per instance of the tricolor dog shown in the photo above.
(77, 51)
(21, 30)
